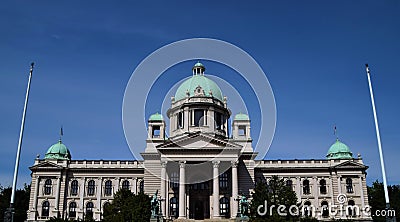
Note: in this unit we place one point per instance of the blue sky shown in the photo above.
(312, 52)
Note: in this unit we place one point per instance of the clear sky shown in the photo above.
(313, 53)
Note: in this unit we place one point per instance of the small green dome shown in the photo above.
(58, 151)
(193, 82)
(156, 117)
(241, 116)
(198, 64)
(339, 150)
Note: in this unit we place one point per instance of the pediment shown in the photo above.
(350, 164)
(46, 165)
(198, 140)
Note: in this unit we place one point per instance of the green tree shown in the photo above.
(274, 193)
(377, 200)
(128, 207)
(21, 203)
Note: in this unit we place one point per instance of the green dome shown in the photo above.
(156, 117)
(198, 64)
(58, 151)
(192, 83)
(241, 116)
(339, 150)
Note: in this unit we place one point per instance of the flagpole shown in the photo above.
(21, 134)
(378, 137)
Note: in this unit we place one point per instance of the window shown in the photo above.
(198, 117)
(72, 209)
(47, 187)
(89, 210)
(307, 209)
(156, 132)
(91, 188)
(352, 210)
(74, 188)
(45, 209)
(224, 207)
(325, 209)
(125, 185)
(349, 185)
(108, 188)
(173, 207)
(289, 184)
(180, 120)
(141, 186)
(218, 121)
(322, 186)
(242, 131)
(174, 182)
(306, 186)
(223, 180)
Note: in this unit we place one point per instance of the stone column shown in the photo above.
(234, 205)
(35, 195)
(163, 186)
(134, 186)
(216, 189)
(166, 213)
(57, 194)
(98, 194)
(82, 192)
(182, 211)
(361, 192)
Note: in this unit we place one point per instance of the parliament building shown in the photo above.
(199, 171)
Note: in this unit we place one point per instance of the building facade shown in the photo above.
(199, 171)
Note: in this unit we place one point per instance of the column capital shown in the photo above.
(164, 164)
(182, 164)
(234, 163)
(216, 163)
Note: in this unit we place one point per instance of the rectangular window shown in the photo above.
(156, 131)
(180, 120)
(242, 131)
(198, 117)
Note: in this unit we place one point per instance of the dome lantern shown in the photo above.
(198, 69)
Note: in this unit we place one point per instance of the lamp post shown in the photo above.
(9, 214)
(378, 137)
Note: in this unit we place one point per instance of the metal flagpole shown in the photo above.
(378, 137)
(9, 215)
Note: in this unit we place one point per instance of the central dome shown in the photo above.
(209, 87)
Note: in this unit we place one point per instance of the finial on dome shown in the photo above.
(61, 133)
(198, 68)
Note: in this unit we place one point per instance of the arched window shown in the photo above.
(45, 208)
(174, 180)
(307, 209)
(89, 210)
(74, 188)
(349, 185)
(47, 187)
(141, 186)
(306, 186)
(173, 207)
(289, 183)
(322, 186)
(352, 209)
(125, 185)
(198, 117)
(325, 209)
(224, 207)
(108, 188)
(223, 180)
(91, 188)
(72, 209)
